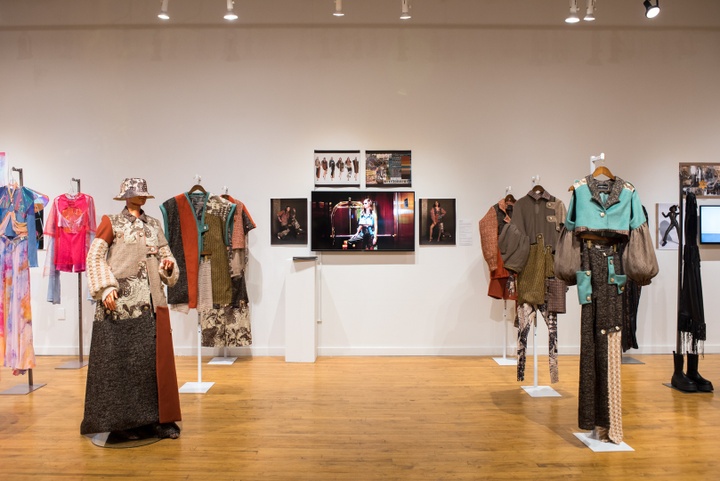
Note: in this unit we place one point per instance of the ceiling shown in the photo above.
(25, 14)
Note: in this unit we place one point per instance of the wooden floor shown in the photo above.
(370, 418)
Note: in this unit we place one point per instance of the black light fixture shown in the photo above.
(651, 11)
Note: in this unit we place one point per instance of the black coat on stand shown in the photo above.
(691, 315)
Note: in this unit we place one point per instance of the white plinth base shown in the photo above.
(601, 447)
(222, 361)
(541, 391)
(505, 361)
(196, 387)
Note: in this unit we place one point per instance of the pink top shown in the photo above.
(71, 223)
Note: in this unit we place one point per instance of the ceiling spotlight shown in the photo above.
(405, 15)
(230, 15)
(651, 11)
(163, 15)
(338, 9)
(573, 17)
(590, 12)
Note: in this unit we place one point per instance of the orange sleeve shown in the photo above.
(105, 230)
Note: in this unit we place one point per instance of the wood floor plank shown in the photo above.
(370, 418)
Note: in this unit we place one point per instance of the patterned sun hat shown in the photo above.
(133, 187)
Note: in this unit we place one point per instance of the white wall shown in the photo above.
(482, 101)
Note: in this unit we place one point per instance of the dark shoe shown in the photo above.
(167, 430)
(124, 435)
(703, 385)
(679, 380)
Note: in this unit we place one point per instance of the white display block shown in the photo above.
(195, 387)
(600, 446)
(505, 361)
(541, 391)
(222, 361)
(300, 325)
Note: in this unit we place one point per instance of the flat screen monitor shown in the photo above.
(362, 221)
(710, 224)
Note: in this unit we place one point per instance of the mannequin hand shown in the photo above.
(167, 265)
(109, 301)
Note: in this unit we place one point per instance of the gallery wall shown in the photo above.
(482, 105)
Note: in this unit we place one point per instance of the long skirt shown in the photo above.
(131, 379)
(16, 338)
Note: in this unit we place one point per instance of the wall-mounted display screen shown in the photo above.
(362, 221)
(710, 224)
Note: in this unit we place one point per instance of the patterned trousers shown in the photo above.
(599, 399)
(527, 316)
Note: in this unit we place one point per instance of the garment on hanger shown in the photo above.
(502, 283)
(605, 241)
(18, 252)
(527, 245)
(202, 234)
(229, 325)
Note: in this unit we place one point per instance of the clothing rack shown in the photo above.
(198, 387)
(31, 386)
(504, 360)
(80, 363)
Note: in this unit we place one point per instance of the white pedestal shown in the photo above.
(195, 387)
(601, 447)
(541, 391)
(300, 325)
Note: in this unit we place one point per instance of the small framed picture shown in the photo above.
(336, 168)
(703, 180)
(437, 222)
(288, 218)
(388, 168)
(667, 217)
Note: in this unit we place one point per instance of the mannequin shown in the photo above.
(131, 384)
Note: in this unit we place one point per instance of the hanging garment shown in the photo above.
(223, 224)
(18, 252)
(691, 317)
(527, 244)
(71, 225)
(69, 230)
(502, 283)
(186, 224)
(605, 241)
(131, 380)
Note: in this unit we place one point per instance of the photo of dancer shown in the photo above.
(437, 221)
(288, 221)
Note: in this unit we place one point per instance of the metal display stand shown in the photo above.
(504, 360)
(224, 360)
(535, 390)
(31, 386)
(198, 387)
(80, 362)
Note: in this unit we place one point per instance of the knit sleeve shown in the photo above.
(489, 238)
(99, 273)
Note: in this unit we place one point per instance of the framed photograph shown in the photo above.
(437, 222)
(336, 168)
(701, 179)
(362, 221)
(288, 218)
(388, 168)
(667, 218)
